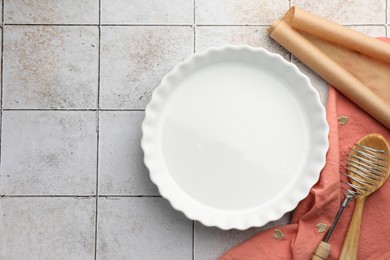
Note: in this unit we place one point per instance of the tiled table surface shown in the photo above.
(76, 76)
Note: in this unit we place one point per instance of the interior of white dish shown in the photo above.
(235, 134)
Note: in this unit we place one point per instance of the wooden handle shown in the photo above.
(351, 242)
(322, 251)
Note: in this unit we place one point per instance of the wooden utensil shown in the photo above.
(381, 167)
(353, 164)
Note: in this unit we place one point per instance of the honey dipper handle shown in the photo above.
(321, 252)
(351, 242)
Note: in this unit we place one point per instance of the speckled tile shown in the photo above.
(372, 31)
(239, 12)
(346, 12)
(134, 60)
(48, 152)
(50, 67)
(257, 36)
(148, 12)
(320, 84)
(121, 167)
(51, 12)
(1, 10)
(47, 228)
(142, 228)
(211, 242)
(388, 12)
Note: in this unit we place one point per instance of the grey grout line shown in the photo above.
(96, 226)
(46, 196)
(194, 13)
(96, 25)
(150, 24)
(76, 109)
(50, 24)
(194, 39)
(122, 110)
(50, 109)
(128, 196)
(177, 25)
(193, 240)
(2, 76)
(98, 132)
(78, 196)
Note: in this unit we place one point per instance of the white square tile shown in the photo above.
(142, 228)
(346, 12)
(257, 36)
(48, 152)
(121, 167)
(239, 12)
(51, 12)
(50, 66)
(372, 31)
(388, 12)
(47, 228)
(134, 60)
(147, 12)
(1, 10)
(211, 242)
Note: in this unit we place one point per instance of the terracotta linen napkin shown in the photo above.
(302, 235)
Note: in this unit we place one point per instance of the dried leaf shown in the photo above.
(321, 227)
(278, 234)
(342, 120)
